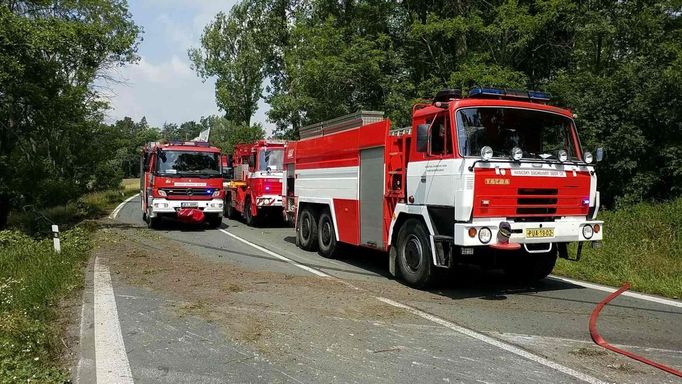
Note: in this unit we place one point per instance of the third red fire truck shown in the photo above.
(496, 178)
(256, 187)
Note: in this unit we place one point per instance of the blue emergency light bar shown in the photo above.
(481, 92)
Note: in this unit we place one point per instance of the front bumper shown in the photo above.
(163, 206)
(269, 201)
(565, 230)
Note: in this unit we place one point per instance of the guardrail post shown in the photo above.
(55, 239)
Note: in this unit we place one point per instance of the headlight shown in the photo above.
(216, 193)
(562, 155)
(588, 157)
(162, 193)
(486, 153)
(516, 153)
(484, 235)
(587, 231)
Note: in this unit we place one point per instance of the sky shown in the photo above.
(162, 86)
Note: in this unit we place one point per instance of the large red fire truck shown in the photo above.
(256, 188)
(183, 181)
(497, 178)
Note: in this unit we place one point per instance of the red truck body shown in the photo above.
(495, 177)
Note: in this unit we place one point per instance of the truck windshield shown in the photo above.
(538, 134)
(188, 163)
(270, 159)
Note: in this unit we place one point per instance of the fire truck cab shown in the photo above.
(497, 178)
(183, 181)
(255, 190)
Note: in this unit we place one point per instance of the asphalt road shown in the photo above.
(473, 327)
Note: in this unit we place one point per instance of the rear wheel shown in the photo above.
(414, 254)
(326, 236)
(306, 230)
(530, 267)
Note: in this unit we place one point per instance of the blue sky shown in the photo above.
(162, 86)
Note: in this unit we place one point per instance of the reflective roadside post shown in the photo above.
(55, 239)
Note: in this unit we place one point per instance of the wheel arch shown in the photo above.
(401, 214)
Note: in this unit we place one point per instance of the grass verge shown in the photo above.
(32, 281)
(642, 246)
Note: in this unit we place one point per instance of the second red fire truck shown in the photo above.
(255, 190)
(496, 178)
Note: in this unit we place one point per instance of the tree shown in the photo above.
(230, 52)
(50, 53)
(226, 134)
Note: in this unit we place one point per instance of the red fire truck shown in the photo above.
(183, 181)
(497, 178)
(256, 188)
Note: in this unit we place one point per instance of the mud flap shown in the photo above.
(392, 253)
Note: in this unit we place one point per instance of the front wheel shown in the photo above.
(215, 222)
(230, 212)
(153, 222)
(414, 254)
(251, 220)
(306, 230)
(531, 267)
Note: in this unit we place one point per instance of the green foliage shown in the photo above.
(50, 54)
(642, 246)
(226, 134)
(618, 65)
(32, 280)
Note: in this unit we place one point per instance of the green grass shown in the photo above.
(32, 281)
(642, 246)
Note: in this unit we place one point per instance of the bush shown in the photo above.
(32, 280)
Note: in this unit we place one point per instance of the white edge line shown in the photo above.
(79, 367)
(278, 256)
(111, 359)
(120, 206)
(494, 342)
(465, 331)
(604, 288)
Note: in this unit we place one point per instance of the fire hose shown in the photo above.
(602, 343)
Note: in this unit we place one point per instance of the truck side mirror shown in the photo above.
(422, 137)
(599, 154)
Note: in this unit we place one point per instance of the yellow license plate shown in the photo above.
(532, 233)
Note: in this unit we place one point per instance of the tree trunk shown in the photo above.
(4, 211)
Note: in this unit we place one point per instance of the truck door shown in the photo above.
(440, 168)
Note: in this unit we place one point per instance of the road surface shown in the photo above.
(241, 304)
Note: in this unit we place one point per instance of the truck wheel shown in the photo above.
(230, 212)
(215, 221)
(153, 222)
(250, 219)
(306, 230)
(326, 237)
(414, 254)
(530, 267)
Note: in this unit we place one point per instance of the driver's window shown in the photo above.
(440, 139)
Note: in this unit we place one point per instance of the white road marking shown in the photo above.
(465, 331)
(79, 367)
(120, 206)
(641, 296)
(278, 256)
(111, 359)
(494, 342)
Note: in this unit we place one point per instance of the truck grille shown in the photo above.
(178, 192)
(537, 201)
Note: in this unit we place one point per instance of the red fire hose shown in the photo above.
(601, 342)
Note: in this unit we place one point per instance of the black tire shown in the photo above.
(414, 254)
(153, 222)
(215, 222)
(306, 230)
(531, 267)
(326, 236)
(251, 220)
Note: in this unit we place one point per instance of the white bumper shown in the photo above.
(160, 205)
(269, 201)
(565, 230)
